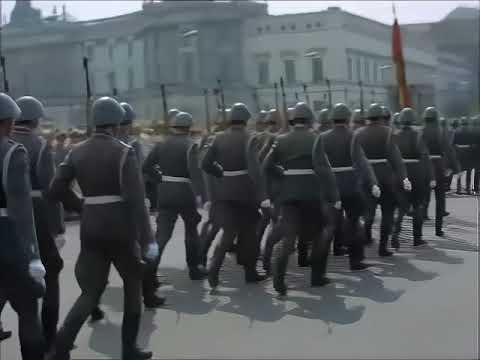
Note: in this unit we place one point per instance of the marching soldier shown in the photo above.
(476, 153)
(108, 174)
(233, 160)
(174, 165)
(48, 214)
(211, 227)
(21, 270)
(324, 120)
(358, 121)
(305, 187)
(420, 172)
(441, 153)
(396, 121)
(353, 172)
(382, 152)
(463, 142)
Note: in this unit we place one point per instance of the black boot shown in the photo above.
(419, 243)
(439, 233)
(319, 281)
(4, 335)
(340, 251)
(130, 328)
(395, 241)
(252, 276)
(383, 251)
(359, 266)
(153, 301)
(197, 274)
(97, 315)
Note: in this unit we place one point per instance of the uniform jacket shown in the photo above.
(438, 146)
(231, 151)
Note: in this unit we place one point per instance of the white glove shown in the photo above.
(338, 205)
(147, 203)
(448, 172)
(36, 270)
(433, 184)
(207, 206)
(60, 241)
(407, 185)
(376, 191)
(266, 204)
(152, 251)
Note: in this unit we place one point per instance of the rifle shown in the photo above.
(255, 99)
(307, 97)
(361, 97)
(329, 93)
(222, 99)
(164, 102)
(275, 85)
(285, 108)
(89, 97)
(207, 110)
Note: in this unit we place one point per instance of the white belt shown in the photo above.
(435, 156)
(299, 172)
(101, 200)
(36, 194)
(235, 173)
(464, 146)
(342, 169)
(176, 179)
(407, 161)
(377, 161)
(3, 212)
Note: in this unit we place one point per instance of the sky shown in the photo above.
(407, 11)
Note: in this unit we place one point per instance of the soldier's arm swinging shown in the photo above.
(194, 170)
(149, 170)
(425, 158)
(321, 166)
(395, 159)
(20, 202)
(133, 192)
(361, 164)
(209, 165)
(61, 186)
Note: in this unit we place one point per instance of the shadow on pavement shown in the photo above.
(106, 339)
(401, 267)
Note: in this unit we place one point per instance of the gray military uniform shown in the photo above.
(48, 222)
(174, 165)
(108, 174)
(353, 173)
(239, 189)
(19, 246)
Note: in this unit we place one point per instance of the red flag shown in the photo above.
(397, 57)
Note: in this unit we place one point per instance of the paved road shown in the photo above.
(418, 304)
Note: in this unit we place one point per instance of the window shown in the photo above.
(359, 69)
(375, 72)
(130, 78)
(130, 49)
(289, 71)
(267, 27)
(366, 64)
(293, 27)
(317, 70)
(350, 68)
(111, 80)
(309, 26)
(259, 30)
(318, 24)
(263, 73)
(188, 67)
(110, 52)
(282, 27)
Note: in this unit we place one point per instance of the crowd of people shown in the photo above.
(314, 182)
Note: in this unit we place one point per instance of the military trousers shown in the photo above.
(387, 202)
(166, 219)
(91, 271)
(296, 217)
(237, 220)
(417, 199)
(208, 232)
(347, 227)
(53, 263)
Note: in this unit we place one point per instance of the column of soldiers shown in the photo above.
(309, 182)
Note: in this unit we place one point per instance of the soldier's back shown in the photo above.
(374, 140)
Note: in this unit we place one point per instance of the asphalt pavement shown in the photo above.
(421, 303)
